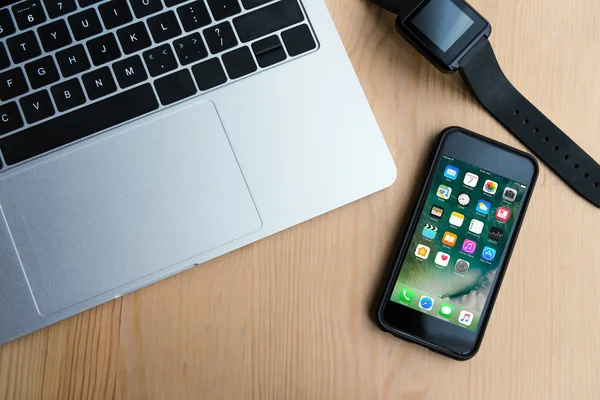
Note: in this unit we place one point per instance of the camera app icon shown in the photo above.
(509, 194)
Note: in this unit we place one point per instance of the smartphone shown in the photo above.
(450, 267)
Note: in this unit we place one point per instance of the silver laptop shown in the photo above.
(139, 138)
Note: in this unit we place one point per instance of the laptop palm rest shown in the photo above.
(146, 198)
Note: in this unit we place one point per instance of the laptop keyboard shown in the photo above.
(70, 69)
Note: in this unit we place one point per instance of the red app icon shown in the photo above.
(502, 214)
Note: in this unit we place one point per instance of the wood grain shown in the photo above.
(287, 317)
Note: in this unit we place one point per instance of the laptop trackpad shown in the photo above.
(146, 198)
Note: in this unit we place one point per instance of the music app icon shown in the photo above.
(465, 318)
(469, 246)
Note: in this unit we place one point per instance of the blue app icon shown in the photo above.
(483, 207)
(426, 303)
(429, 231)
(451, 172)
(488, 254)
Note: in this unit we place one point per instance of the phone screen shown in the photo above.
(459, 243)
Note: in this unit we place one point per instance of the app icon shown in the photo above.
(490, 187)
(451, 172)
(463, 199)
(509, 194)
(429, 231)
(457, 219)
(446, 310)
(469, 246)
(426, 303)
(471, 179)
(495, 233)
(437, 212)
(444, 192)
(449, 239)
(465, 317)
(502, 214)
(476, 226)
(483, 207)
(461, 266)
(422, 251)
(488, 254)
(406, 295)
(442, 259)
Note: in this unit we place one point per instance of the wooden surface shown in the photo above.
(287, 317)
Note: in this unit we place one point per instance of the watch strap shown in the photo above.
(402, 8)
(482, 73)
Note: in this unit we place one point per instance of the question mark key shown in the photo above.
(220, 37)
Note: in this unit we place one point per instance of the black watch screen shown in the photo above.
(446, 28)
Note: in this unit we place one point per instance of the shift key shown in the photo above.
(267, 20)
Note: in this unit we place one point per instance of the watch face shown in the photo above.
(444, 29)
(464, 199)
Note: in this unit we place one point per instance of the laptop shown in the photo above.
(139, 138)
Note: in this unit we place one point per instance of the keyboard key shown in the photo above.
(130, 71)
(193, 16)
(160, 60)
(248, 4)
(134, 38)
(99, 83)
(86, 3)
(78, 124)
(220, 37)
(142, 8)
(37, 106)
(85, 24)
(164, 26)
(171, 3)
(115, 13)
(72, 60)
(267, 20)
(209, 74)
(10, 118)
(58, 8)
(103, 49)
(68, 94)
(190, 49)
(41, 72)
(239, 62)
(222, 9)
(4, 60)
(298, 40)
(175, 87)
(6, 24)
(23, 47)
(12, 84)
(54, 35)
(268, 51)
(29, 13)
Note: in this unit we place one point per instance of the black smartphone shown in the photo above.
(449, 270)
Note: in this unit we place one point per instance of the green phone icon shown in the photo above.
(406, 295)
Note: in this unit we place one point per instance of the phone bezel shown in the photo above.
(429, 331)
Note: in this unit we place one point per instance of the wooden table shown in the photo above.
(287, 317)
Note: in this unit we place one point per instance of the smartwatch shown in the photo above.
(454, 37)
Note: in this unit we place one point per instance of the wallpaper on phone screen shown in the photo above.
(461, 235)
